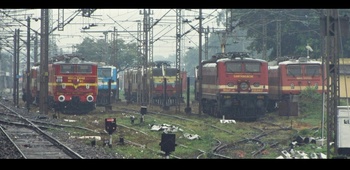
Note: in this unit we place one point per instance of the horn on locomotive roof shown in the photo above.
(230, 55)
(66, 60)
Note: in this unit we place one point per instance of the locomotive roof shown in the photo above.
(106, 66)
(241, 59)
(81, 62)
(232, 56)
(299, 62)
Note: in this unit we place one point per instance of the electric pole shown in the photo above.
(28, 65)
(44, 52)
(178, 84)
(333, 28)
(200, 65)
(15, 65)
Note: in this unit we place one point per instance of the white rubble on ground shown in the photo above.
(166, 128)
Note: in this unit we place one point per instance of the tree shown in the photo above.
(123, 56)
(298, 28)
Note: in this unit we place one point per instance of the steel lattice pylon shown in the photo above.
(331, 52)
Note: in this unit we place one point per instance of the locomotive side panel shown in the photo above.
(132, 84)
(210, 87)
(35, 84)
(274, 83)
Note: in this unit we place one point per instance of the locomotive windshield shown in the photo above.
(234, 67)
(157, 72)
(240, 67)
(312, 70)
(309, 70)
(171, 72)
(294, 70)
(69, 68)
(252, 67)
(104, 72)
(84, 69)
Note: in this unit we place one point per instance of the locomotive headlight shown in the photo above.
(230, 84)
(292, 86)
(59, 79)
(61, 98)
(243, 86)
(256, 84)
(63, 86)
(87, 86)
(90, 98)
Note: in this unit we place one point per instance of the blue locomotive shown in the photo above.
(108, 91)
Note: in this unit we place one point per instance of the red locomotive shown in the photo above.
(234, 86)
(288, 78)
(160, 72)
(34, 84)
(72, 85)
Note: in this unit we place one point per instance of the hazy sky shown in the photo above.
(125, 21)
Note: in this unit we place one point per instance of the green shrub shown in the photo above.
(310, 101)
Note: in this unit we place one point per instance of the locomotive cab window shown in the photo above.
(171, 72)
(312, 70)
(239, 67)
(234, 67)
(67, 69)
(252, 67)
(293, 70)
(84, 69)
(157, 72)
(104, 72)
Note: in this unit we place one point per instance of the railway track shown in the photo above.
(262, 136)
(227, 141)
(28, 139)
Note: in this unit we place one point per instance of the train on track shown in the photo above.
(164, 89)
(288, 77)
(107, 85)
(234, 86)
(72, 84)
